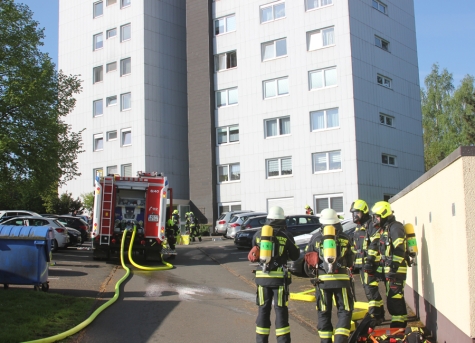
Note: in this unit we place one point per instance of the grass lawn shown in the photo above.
(27, 315)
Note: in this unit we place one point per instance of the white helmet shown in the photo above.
(276, 212)
(328, 216)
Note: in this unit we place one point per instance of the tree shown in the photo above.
(88, 201)
(448, 117)
(38, 150)
(63, 205)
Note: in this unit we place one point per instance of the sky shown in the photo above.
(445, 34)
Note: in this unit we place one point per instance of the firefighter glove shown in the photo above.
(311, 258)
(254, 254)
(369, 268)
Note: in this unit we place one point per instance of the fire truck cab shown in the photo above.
(120, 203)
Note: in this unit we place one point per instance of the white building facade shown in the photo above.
(131, 56)
(317, 102)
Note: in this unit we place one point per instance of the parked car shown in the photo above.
(61, 237)
(252, 222)
(222, 221)
(76, 223)
(297, 225)
(234, 224)
(16, 213)
(75, 238)
(299, 266)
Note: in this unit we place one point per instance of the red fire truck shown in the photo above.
(122, 202)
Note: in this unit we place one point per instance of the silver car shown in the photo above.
(223, 220)
(234, 224)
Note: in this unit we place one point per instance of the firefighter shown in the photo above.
(364, 234)
(194, 227)
(187, 223)
(171, 233)
(308, 210)
(389, 261)
(176, 218)
(272, 284)
(329, 252)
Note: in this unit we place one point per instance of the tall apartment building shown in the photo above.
(131, 56)
(251, 103)
(301, 102)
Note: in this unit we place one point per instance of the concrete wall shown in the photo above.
(440, 205)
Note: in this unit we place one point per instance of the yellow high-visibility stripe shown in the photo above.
(272, 275)
(345, 299)
(261, 295)
(282, 331)
(262, 331)
(342, 331)
(324, 307)
(398, 242)
(398, 259)
(397, 296)
(372, 252)
(402, 318)
(334, 277)
(325, 334)
(280, 296)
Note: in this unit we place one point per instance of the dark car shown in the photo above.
(252, 222)
(299, 267)
(74, 222)
(297, 225)
(75, 237)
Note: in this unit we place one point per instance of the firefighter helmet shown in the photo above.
(359, 205)
(276, 212)
(382, 209)
(175, 212)
(307, 207)
(329, 216)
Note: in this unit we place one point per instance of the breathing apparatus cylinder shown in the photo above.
(267, 245)
(329, 246)
(411, 241)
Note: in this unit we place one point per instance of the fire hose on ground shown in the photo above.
(93, 316)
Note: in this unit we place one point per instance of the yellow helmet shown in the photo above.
(382, 209)
(359, 205)
(307, 207)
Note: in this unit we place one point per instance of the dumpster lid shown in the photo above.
(26, 232)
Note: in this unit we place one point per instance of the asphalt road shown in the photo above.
(209, 296)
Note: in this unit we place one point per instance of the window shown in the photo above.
(274, 49)
(381, 43)
(97, 172)
(225, 61)
(125, 66)
(333, 201)
(225, 24)
(126, 169)
(125, 101)
(320, 38)
(227, 134)
(276, 87)
(325, 119)
(226, 97)
(98, 142)
(111, 101)
(277, 127)
(272, 12)
(226, 207)
(125, 3)
(326, 161)
(97, 74)
(125, 32)
(384, 119)
(112, 135)
(322, 78)
(98, 42)
(388, 160)
(97, 108)
(383, 81)
(111, 67)
(279, 167)
(112, 170)
(126, 137)
(380, 6)
(111, 2)
(111, 33)
(386, 197)
(229, 172)
(311, 4)
(98, 9)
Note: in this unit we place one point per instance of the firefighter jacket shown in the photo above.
(176, 219)
(392, 248)
(338, 277)
(361, 241)
(309, 212)
(284, 249)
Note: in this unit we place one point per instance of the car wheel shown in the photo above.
(307, 270)
(55, 245)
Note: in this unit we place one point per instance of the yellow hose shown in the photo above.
(93, 316)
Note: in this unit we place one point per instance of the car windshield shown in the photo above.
(221, 217)
(233, 219)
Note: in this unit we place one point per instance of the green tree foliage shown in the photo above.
(88, 201)
(447, 115)
(38, 150)
(62, 205)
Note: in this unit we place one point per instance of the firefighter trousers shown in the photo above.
(344, 305)
(195, 232)
(396, 302)
(371, 289)
(264, 301)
